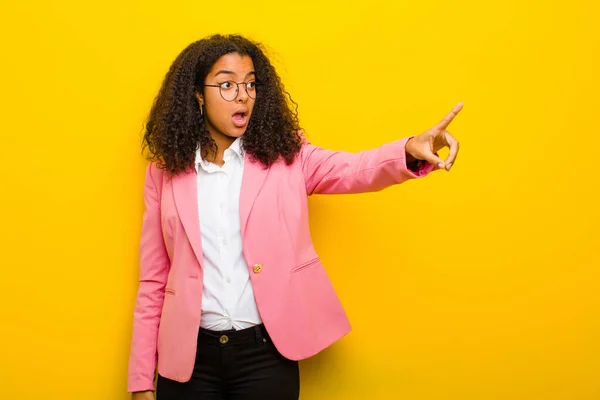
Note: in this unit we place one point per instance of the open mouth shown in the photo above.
(240, 119)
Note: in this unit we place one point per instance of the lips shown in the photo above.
(240, 118)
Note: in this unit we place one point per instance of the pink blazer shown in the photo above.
(294, 295)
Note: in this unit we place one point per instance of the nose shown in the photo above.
(242, 94)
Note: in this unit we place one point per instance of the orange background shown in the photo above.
(481, 283)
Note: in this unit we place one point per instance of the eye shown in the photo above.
(251, 85)
(227, 85)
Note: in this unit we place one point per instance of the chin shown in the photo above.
(235, 135)
(237, 132)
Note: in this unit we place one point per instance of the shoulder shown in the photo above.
(153, 170)
(306, 147)
(154, 174)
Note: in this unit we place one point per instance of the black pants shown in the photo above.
(235, 365)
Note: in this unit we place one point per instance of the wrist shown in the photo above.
(411, 161)
(409, 150)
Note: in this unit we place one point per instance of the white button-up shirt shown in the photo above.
(227, 298)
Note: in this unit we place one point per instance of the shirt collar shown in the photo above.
(235, 149)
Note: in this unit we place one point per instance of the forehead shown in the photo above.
(236, 63)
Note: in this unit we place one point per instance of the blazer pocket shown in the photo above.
(309, 264)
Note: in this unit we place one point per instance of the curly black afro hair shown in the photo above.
(175, 126)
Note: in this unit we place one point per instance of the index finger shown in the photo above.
(443, 124)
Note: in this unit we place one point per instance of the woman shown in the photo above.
(232, 293)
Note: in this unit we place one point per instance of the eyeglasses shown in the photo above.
(229, 89)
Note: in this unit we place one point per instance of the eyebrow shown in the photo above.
(224, 71)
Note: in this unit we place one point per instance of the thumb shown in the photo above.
(434, 160)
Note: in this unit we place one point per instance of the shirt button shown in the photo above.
(228, 280)
(223, 242)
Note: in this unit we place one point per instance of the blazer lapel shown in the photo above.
(252, 181)
(185, 192)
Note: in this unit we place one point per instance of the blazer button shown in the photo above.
(257, 268)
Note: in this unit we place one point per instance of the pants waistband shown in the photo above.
(231, 337)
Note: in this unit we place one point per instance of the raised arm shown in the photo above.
(337, 172)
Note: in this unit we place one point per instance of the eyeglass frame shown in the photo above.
(237, 89)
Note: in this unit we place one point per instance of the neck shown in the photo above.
(223, 142)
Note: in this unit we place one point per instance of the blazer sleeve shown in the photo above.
(340, 172)
(154, 268)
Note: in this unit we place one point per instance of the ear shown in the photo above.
(199, 97)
